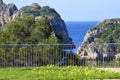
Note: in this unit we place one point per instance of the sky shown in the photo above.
(78, 10)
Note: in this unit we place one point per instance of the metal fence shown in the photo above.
(31, 55)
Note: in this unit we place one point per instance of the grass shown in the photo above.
(56, 73)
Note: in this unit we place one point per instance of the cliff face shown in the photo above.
(103, 31)
(98, 42)
(61, 30)
(6, 12)
(10, 12)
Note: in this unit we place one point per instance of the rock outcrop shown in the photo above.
(60, 31)
(99, 41)
(6, 12)
(1, 2)
(10, 12)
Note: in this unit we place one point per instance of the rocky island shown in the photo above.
(10, 12)
(100, 42)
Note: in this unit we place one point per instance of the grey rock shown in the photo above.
(35, 6)
(1, 2)
(6, 12)
(60, 30)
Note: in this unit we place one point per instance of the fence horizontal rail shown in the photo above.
(36, 45)
(29, 55)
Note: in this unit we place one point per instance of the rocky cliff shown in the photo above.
(99, 41)
(10, 12)
(6, 12)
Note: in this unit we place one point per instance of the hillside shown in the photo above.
(31, 25)
(99, 41)
(10, 12)
(106, 31)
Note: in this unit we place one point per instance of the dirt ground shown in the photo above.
(110, 69)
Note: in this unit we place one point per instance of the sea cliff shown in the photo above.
(10, 12)
(100, 42)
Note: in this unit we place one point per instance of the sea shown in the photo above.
(78, 29)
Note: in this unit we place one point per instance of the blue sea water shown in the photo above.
(78, 29)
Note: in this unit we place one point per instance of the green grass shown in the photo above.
(55, 73)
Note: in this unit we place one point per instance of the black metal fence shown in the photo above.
(31, 55)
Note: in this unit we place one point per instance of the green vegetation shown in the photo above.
(39, 11)
(31, 10)
(56, 73)
(103, 40)
(109, 33)
(27, 30)
(46, 10)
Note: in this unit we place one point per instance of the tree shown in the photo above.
(27, 30)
